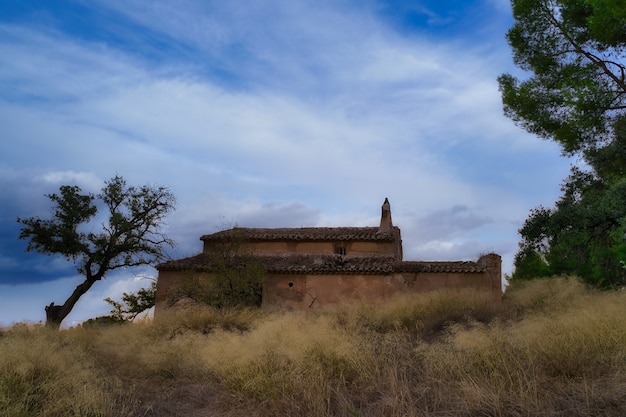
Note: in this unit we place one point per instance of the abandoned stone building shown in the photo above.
(317, 267)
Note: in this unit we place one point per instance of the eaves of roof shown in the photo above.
(326, 264)
(439, 266)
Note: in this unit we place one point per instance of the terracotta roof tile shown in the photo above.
(440, 266)
(328, 264)
(304, 234)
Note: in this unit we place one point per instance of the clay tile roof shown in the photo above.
(450, 266)
(294, 264)
(200, 263)
(304, 234)
(327, 264)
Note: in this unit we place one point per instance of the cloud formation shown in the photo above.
(284, 115)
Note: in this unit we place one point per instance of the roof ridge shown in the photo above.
(304, 233)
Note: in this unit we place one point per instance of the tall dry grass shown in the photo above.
(41, 374)
(565, 356)
(554, 347)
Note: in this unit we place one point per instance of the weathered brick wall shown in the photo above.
(353, 248)
(319, 291)
(304, 292)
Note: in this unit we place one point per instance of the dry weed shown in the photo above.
(563, 354)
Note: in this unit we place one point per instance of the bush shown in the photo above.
(233, 282)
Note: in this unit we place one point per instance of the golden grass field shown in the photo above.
(553, 348)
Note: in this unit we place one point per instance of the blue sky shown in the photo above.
(282, 113)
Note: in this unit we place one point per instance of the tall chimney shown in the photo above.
(385, 219)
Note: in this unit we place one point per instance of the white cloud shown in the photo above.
(87, 180)
(298, 114)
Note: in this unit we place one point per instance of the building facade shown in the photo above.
(321, 267)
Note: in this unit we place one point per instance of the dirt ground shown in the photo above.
(188, 399)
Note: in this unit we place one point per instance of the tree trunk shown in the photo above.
(55, 314)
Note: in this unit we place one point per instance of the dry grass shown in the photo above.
(43, 375)
(420, 315)
(554, 348)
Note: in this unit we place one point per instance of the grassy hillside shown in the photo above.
(553, 348)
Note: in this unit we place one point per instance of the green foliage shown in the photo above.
(575, 50)
(103, 321)
(529, 265)
(130, 237)
(60, 234)
(576, 96)
(133, 304)
(235, 277)
(582, 235)
(236, 281)
(607, 22)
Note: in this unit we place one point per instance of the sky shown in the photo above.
(263, 113)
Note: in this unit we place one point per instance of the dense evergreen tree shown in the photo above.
(576, 96)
